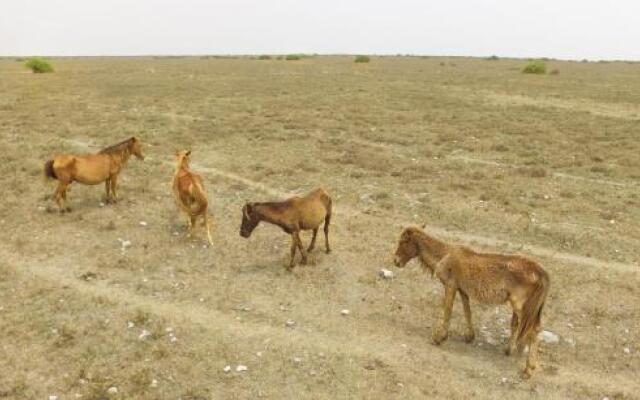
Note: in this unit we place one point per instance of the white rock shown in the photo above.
(143, 223)
(504, 380)
(173, 339)
(549, 337)
(53, 397)
(386, 273)
(627, 350)
(345, 312)
(144, 334)
(112, 390)
(154, 383)
(259, 354)
(241, 368)
(227, 368)
(169, 330)
(291, 323)
(297, 360)
(130, 324)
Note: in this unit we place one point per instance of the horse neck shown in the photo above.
(266, 212)
(432, 250)
(123, 155)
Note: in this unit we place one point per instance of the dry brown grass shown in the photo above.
(479, 151)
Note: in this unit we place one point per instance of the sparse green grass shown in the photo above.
(294, 57)
(362, 59)
(38, 65)
(535, 67)
(264, 57)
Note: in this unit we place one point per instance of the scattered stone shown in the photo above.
(290, 323)
(345, 312)
(227, 368)
(386, 273)
(259, 354)
(241, 368)
(145, 334)
(124, 244)
(154, 383)
(627, 350)
(112, 390)
(143, 223)
(169, 330)
(504, 380)
(53, 397)
(549, 337)
(297, 360)
(173, 339)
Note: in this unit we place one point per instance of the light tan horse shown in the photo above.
(293, 215)
(488, 278)
(92, 169)
(189, 193)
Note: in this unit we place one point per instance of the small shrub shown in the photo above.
(293, 57)
(535, 67)
(38, 65)
(279, 58)
(554, 71)
(493, 58)
(362, 59)
(264, 57)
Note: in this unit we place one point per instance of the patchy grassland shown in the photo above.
(546, 165)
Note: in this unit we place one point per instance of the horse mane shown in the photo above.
(275, 205)
(116, 148)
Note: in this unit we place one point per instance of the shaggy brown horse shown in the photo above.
(488, 278)
(189, 193)
(293, 215)
(92, 169)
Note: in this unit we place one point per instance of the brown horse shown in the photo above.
(189, 193)
(292, 215)
(488, 278)
(92, 169)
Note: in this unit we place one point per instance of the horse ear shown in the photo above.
(424, 225)
(188, 152)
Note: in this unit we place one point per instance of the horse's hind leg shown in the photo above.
(327, 220)
(470, 335)
(61, 197)
(312, 245)
(207, 224)
(532, 358)
(516, 319)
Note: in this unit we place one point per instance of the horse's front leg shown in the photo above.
(442, 331)
(294, 246)
(114, 182)
(303, 253)
(107, 189)
(470, 335)
(312, 245)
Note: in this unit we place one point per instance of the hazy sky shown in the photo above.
(562, 28)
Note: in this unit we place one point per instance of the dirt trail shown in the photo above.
(452, 234)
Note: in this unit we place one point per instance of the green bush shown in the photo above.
(293, 57)
(535, 67)
(362, 59)
(38, 65)
(493, 58)
(264, 57)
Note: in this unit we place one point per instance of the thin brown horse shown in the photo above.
(488, 278)
(292, 215)
(92, 169)
(189, 193)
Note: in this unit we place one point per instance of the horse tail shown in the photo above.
(532, 309)
(49, 172)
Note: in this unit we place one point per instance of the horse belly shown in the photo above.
(91, 171)
(313, 219)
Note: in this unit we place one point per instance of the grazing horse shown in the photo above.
(292, 215)
(91, 169)
(488, 278)
(189, 193)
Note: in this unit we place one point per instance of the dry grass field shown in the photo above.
(547, 166)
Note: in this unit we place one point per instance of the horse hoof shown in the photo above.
(328, 251)
(439, 338)
(527, 373)
(304, 261)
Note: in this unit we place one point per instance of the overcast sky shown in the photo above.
(573, 29)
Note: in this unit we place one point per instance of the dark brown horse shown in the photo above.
(487, 278)
(292, 215)
(92, 169)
